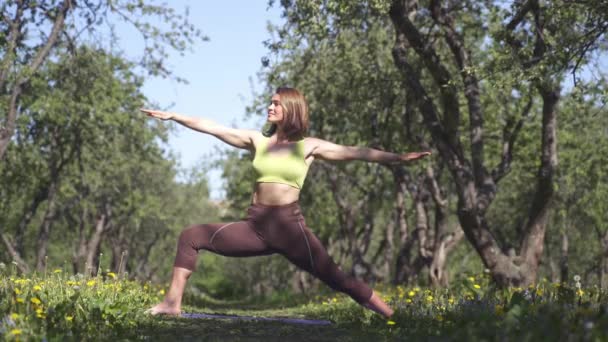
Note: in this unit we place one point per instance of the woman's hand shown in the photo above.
(414, 155)
(158, 114)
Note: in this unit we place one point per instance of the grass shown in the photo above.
(58, 306)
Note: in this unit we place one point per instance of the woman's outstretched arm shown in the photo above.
(241, 138)
(326, 150)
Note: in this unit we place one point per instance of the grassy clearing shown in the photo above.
(57, 306)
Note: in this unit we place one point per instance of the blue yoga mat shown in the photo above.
(252, 318)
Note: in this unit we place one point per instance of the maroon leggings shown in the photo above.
(268, 230)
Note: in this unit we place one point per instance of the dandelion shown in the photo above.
(451, 300)
(20, 300)
(391, 322)
(333, 299)
(411, 293)
(16, 332)
(57, 270)
(471, 279)
(162, 292)
(17, 291)
(577, 278)
(37, 288)
(112, 275)
(580, 292)
(90, 283)
(477, 286)
(15, 316)
(408, 301)
(35, 301)
(429, 298)
(69, 318)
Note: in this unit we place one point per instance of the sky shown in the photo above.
(220, 73)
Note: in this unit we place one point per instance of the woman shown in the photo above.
(274, 223)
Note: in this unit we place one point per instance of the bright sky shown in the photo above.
(220, 73)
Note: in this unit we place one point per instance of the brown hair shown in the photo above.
(295, 111)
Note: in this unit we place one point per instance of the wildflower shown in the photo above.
(499, 309)
(112, 275)
(16, 332)
(36, 301)
(471, 279)
(390, 322)
(408, 300)
(69, 318)
(451, 300)
(162, 292)
(333, 299)
(429, 298)
(17, 291)
(476, 286)
(577, 278)
(15, 316)
(57, 270)
(20, 300)
(90, 283)
(580, 292)
(37, 288)
(411, 293)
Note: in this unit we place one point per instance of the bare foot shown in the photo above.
(163, 309)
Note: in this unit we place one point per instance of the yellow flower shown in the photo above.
(69, 318)
(15, 316)
(411, 293)
(90, 283)
(391, 322)
(16, 332)
(112, 275)
(580, 292)
(162, 292)
(37, 288)
(333, 299)
(20, 300)
(429, 298)
(408, 300)
(57, 270)
(499, 310)
(440, 318)
(471, 279)
(17, 291)
(35, 300)
(451, 300)
(476, 286)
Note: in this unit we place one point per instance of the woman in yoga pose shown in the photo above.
(274, 222)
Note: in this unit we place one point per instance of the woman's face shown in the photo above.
(275, 110)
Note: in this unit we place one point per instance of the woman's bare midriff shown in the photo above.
(274, 194)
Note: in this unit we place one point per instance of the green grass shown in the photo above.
(58, 307)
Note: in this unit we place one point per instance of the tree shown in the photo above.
(534, 43)
(30, 31)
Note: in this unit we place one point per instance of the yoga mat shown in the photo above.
(252, 318)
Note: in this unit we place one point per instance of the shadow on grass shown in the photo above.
(185, 329)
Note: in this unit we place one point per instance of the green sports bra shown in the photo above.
(287, 169)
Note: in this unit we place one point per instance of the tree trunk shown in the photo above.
(563, 261)
(604, 262)
(45, 228)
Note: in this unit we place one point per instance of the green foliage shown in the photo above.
(58, 306)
